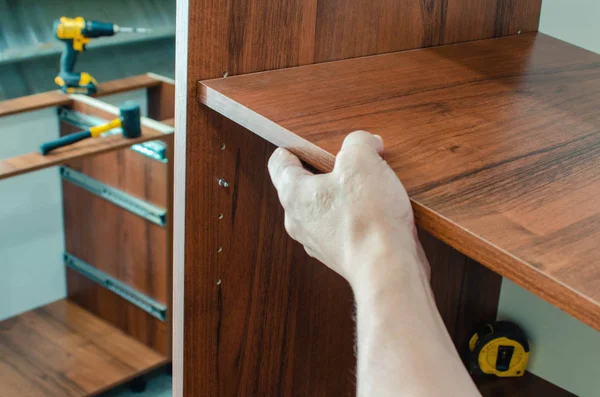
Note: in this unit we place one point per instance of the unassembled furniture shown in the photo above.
(115, 324)
(495, 138)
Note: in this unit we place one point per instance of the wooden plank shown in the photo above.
(170, 122)
(161, 99)
(116, 241)
(526, 386)
(126, 170)
(34, 161)
(481, 147)
(124, 245)
(244, 37)
(61, 350)
(250, 321)
(169, 226)
(115, 310)
(33, 102)
(127, 84)
(120, 243)
(58, 98)
(351, 28)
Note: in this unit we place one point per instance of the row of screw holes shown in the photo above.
(221, 216)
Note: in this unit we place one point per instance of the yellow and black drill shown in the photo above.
(76, 33)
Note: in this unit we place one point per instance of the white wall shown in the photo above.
(574, 21)
(32, 271)
(564, 351)
(31, 232)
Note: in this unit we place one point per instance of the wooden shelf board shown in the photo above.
(58, 98)
(62, 350)
(497, 142)
(34, 161)
(526, 386)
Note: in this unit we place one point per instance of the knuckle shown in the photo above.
(359, 134)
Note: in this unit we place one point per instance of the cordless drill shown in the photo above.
(76, 33)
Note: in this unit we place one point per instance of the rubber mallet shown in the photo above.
(129, 121)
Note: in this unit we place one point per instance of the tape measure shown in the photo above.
(500, 349)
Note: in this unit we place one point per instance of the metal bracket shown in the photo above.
(126, 292)
(124, 200)
(156, 150)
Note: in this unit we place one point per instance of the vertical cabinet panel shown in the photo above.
(122, 244)
(261, 317)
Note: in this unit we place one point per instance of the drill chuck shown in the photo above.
(95, 29)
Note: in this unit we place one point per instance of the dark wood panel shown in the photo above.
(244, 37)
(117, 311)
(120, 243)
(126, 170)
(353, 28)
(512, 125)
(264, 318)
(116, 241)
(33, 102)
(57, 98)
(61, 350)
(170, 122)
(126, 84)
(89, 147)
(128, 248)
(526, 386)
(161, 101)
(169, 229)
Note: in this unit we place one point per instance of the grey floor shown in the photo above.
(158, 385)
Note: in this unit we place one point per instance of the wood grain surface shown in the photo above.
(116, 241)
(61, 350)
(161, 106)
(58, 98)
(496, 142)
(528, 385)
(122, 244)
(161, 101)
(240, 266)
(129, 171)
(35, 161)
(118, 312)
(347, 29)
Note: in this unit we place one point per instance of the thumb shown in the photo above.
(286, 170)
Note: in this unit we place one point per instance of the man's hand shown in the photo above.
(358, 221)
(359, 207)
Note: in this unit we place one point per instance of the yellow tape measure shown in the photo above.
(500, 349)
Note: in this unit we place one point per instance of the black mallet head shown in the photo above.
(130, 120)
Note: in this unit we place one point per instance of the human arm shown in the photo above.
(358, 221)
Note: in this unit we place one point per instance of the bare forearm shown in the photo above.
(403, 346)
(358, 221)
